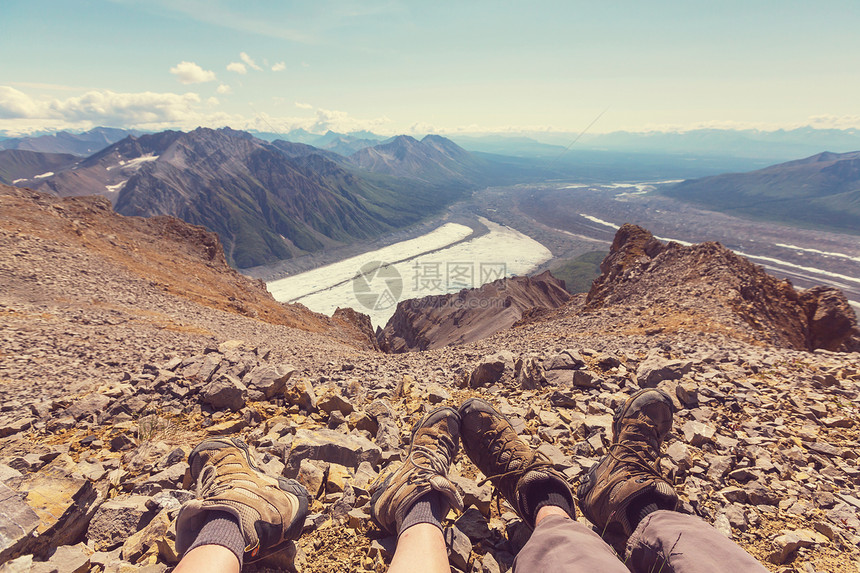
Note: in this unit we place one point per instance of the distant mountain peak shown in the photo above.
(434, 159)
(403, 139)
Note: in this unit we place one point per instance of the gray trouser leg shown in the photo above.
(559, 544)
(672, 542)
(664, 542)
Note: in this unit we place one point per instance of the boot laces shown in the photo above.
(437, 459)
(539, 461)
(208, 484)
(641, 457)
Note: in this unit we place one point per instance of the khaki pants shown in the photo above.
(664, 542)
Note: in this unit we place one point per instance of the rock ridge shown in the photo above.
(471, 314)
(710, 280)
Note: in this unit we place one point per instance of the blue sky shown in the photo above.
(416, 67)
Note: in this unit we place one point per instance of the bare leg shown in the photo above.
(209, 558)
(412, 501)
(420, 548)
(548, 510)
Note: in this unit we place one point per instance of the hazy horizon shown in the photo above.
(408, 67)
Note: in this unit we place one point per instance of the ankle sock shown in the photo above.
(636, 512)
(221, 528)
(548, 492)
(428, 508)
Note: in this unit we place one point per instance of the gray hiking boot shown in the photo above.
(271, 511)
(505, 459)
(629, 475)
(435, 440)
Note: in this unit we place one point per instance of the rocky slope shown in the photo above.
(113, 368)
(88, 292)
(470, 315)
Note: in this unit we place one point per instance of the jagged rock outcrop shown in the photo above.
(357, 321)
(472, 314)
(831, 320)
(711, 281)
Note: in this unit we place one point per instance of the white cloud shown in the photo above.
(98, 107)
(249, 60)
(279, 67)
(223, 89)
(341, 121)
(834, 121)
(113, 108)
(191, 73)
(17, 104)
(237, 67)
(422, 127)
(320, 122)
(20, 113)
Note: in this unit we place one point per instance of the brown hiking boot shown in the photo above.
(435, 440)
(505, 459)
(270, 511)
(629, 475)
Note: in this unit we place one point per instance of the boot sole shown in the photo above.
(375, 498)
(586, 484)
(478, 405)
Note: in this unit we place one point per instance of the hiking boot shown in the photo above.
(435, 440)
(628, 478)
(506, 460)
(270, 510)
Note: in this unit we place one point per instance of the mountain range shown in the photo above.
(267, 201)
(821, 191)
(81, 144)
(275, 200)
(769, 146)
(340, 143)
(18, 165)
